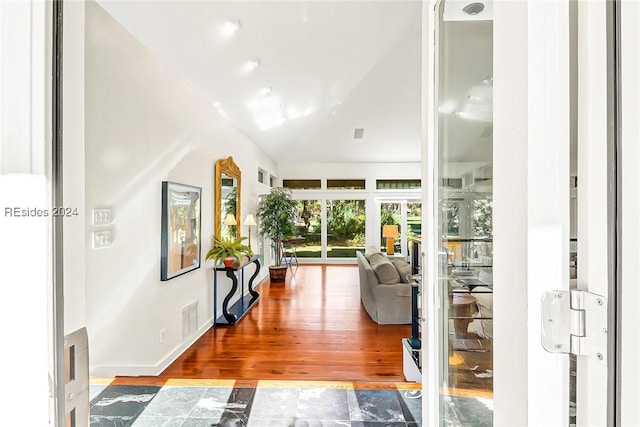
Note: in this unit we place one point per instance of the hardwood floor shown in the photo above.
(313, 327)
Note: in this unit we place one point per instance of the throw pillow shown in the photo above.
(375, 257)
(404, 269)
(386, 272)
(371, 250)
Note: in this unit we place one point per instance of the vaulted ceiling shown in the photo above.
(297, 77)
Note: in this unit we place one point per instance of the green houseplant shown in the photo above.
(277, 213)
(228, 250)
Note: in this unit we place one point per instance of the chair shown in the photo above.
(289, 256)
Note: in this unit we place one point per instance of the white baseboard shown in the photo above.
(107, 371)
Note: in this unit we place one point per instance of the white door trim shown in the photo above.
(531, 206)
(630, 110)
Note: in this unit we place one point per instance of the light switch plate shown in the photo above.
(102, 216)
(102, 238)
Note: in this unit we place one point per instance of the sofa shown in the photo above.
(384, 288)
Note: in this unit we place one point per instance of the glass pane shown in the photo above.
(345, 228)
(465, 226)
(302, 184)
(414, 220)
(398, 184)
(345, 184)
(308, 225)
(390, 215)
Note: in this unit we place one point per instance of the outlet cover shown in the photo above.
(102, 238)
(102, 216)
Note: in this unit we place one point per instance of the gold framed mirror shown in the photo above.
(227, 199)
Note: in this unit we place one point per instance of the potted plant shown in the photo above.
(277, 213)
(227, 250)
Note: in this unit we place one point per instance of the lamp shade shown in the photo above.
(250, 220)
(230, 219)
(390, 231)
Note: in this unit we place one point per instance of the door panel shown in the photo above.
(529, 156)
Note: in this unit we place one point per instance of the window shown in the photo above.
(390, 214)
(302, 184)
(483, 217)
(398, 184)
(261, 175)
(407, 215)
(309, 226)
(345, 184)
(451, 216)
(414, 219)
(346, 221)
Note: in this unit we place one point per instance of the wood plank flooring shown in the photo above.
(313, 327)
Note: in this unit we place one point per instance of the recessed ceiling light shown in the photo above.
(265, 91)
(250, 66)
(473, 8)
(231, 27)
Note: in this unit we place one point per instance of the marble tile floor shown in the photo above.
(270, 406)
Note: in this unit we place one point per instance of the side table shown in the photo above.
(232, 315)
(462, 309)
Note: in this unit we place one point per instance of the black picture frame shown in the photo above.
(181, 242)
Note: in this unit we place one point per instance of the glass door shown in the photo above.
(499, 195)
(464, 223)
(405, 216)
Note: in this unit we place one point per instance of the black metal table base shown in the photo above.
(232, 315)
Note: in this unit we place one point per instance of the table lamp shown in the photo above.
(230, 222)
(390, 232)
(230, 219)
(250, 221)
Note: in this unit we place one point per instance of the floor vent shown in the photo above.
(189, 320)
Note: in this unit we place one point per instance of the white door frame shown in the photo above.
(629, 372)
(531, 249)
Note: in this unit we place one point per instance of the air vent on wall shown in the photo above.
(358, 133)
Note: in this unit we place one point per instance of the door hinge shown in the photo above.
(575, 322)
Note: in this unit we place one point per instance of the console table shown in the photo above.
(232, 315)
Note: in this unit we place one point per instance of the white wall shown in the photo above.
(145, 125)
(370, 171)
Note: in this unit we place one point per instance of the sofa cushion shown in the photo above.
(385, 270)
(374, 257)
(371, 250)
(404, 268)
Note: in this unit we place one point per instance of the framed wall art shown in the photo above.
(181, 243)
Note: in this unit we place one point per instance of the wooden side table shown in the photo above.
(461, 310)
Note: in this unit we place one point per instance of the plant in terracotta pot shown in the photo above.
(228, 250)
(277, 213)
